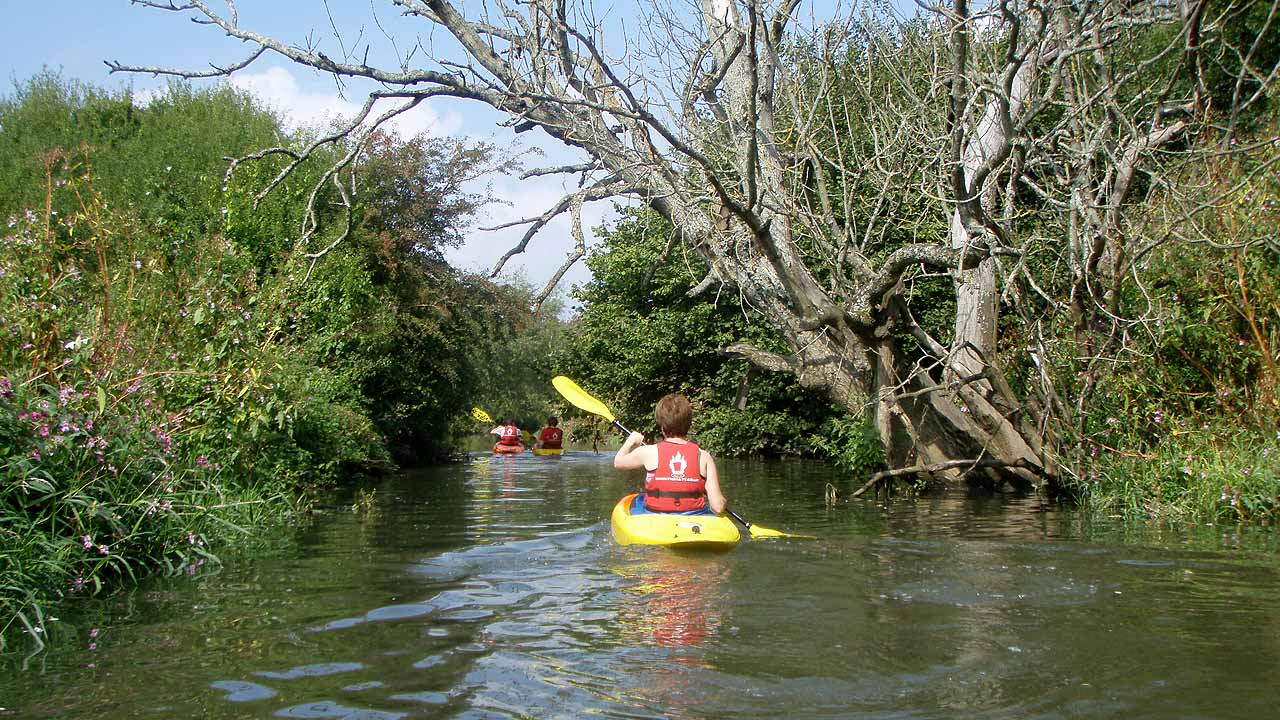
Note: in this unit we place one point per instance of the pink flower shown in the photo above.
(86, 541)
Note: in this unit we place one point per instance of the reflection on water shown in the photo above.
(491, 589)
(673, 599)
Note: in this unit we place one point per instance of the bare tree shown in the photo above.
(971, 116)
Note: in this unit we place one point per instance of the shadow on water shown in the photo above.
(492, 589)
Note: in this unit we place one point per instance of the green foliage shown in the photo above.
(109, 459)
(175, 372)
(1184, 427)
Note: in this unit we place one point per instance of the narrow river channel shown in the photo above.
(492, 589)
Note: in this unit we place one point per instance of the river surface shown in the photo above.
(492, 589)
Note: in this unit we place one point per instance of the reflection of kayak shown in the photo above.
(632, 525)
(500, 449)
(548, 451)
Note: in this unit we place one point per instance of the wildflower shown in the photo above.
(35, 454)
(202, 461)
(191, 538)
(93, 646)
(104, 549)
(1158, 416)
(1186, 469)
(64, 427)
(1245, 471)
(1093, 451)
(6, 388)
(137, 264)
(87, 541)
(77, 584)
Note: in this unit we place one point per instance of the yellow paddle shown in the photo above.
(579, 397)
(583, 400)
(481, 415)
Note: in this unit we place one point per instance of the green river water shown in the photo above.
(492, 589)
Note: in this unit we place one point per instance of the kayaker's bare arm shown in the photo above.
(634, 454)
(715, 498)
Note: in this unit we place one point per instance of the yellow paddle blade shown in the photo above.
(763, 532)
(579, 397)
(481, 415)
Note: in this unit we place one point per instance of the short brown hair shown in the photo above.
(674, 415)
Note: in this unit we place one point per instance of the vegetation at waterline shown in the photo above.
(176, 371)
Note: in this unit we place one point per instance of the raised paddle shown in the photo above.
(481, 415)
(582, 399)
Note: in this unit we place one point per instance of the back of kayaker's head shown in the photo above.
(674, 415)
(553, 421)
(510, 421)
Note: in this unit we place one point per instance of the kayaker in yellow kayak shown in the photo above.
(551, 437)
(679, 476)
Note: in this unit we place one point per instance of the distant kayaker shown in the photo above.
(508, 435)
(680, 477)
(551, 437)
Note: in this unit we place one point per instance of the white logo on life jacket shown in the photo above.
(677, 465)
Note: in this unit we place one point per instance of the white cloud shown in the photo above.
(547, 250)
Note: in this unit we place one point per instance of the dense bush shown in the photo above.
(175, 370)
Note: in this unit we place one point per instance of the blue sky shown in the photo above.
(76, 36)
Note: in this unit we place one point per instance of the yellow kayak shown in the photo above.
(699, 532)
(548, 451)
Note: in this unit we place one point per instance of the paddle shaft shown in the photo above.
(741, 520)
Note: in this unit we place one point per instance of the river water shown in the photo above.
(492, 589)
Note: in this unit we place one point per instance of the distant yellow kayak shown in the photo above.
(548, 451)
(633, 526)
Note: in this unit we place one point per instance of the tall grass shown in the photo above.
(143, 412)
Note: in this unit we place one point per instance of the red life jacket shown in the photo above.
(676, 485)
(551, 437)
(510, 435)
